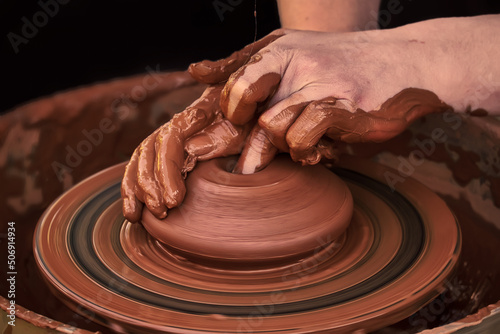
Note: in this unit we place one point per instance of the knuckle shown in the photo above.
(228, 128)
(294, 143)
(238, 86)
(271, 132)
(265, 122)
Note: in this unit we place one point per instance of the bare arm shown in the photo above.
(329, 15)
(460, 60)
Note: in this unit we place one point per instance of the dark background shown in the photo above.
(89, 40)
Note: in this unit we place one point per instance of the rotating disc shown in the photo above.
(394, 257)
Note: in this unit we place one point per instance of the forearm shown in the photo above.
(329, 15)
(464, 67)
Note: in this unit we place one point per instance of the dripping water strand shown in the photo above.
(255, 31)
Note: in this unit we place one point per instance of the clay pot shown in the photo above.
(279, 214)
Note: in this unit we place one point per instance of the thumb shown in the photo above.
(257, 153)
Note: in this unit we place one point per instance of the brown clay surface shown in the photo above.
(278, 214)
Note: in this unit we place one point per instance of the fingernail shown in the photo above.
(199, 145)
(238, 169)
(200, 69)
(161, 215)
(312, 157)
(249, 163)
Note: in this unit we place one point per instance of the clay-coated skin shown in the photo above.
(360, 72)
(155, 174)
(208, 71)
(254, 153)
(353, 87)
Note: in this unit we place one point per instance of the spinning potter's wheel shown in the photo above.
(365, 262)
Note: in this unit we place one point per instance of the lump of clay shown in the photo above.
(280, 214)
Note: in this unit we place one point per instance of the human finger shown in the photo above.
(333, 118)
(132, 207)
(277, 120)
(212, 72)
(169, 144)
(147, 187)
(251, 85)
(304, 134)
(392, 118)
(220, 139)
(389, 120)
(258, 152)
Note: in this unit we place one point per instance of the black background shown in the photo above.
(90, 40)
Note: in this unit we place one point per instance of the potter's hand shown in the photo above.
(338, 85)
(354, 87)
(156, 171)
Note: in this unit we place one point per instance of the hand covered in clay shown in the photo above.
(325, 84)
(349, 87)
(155, 173)
(310, 90)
